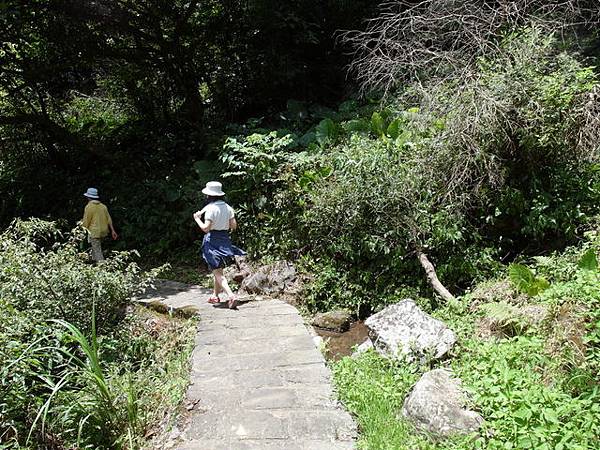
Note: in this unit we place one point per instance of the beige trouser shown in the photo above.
(96, 244)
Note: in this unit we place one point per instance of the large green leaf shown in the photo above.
(393, 130)
(525, 281)
(326, 132)
(356, 126)
(539, 285)
(378, 124)
(521, 277)
(589, 261)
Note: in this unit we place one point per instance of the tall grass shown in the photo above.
(103, 416)
(91, 402)
(70, 382)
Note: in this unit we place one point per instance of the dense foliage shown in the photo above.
(127, 96)
(474, 173)
(77, 369)
(51, 279)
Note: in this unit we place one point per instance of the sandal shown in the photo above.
(232, 303)
(213, 300)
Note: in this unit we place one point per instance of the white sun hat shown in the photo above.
(91, 193)
(213, 189)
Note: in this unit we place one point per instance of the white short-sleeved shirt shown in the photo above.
(219, 214)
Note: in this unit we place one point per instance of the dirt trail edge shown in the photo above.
(257, 379)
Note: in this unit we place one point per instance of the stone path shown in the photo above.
(257, 380)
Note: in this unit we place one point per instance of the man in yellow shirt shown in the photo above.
(98, 222)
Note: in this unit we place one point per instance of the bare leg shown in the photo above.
(221, 281)
(232, 301)
(217, 286)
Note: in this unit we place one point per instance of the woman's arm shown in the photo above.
(113, 233)
(204, 226)
(232, 224)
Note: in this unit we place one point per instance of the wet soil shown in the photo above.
(341, 344)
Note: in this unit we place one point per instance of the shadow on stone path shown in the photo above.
(257, 379)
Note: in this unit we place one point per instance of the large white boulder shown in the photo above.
(436, 405)
(404, 330)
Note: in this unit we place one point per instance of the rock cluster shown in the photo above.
(270, 280)
(436, 403)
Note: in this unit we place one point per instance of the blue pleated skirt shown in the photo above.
(217, 249)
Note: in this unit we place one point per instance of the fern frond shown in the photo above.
(501, 312)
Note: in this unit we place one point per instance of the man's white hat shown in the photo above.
(213, 189)
(91, 193)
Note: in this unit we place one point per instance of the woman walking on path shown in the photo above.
(217, 249)
(98, 223)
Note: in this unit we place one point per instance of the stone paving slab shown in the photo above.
(262, 444)
(257, 379)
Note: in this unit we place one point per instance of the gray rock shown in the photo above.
(240, 276)
(436, 405)
(238, 271)
(256, 283)
(333, 320)
(281, 274)
(405, 330)
(362, 348)
(268, 280)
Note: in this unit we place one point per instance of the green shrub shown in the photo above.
(268, 181)
(380, 204)
(62, 385)
(525, 281)
(24, 357)
(59, 386)
(52, 280)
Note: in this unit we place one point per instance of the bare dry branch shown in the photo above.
(436, 38)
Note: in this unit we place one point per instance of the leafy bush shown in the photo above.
(269, 181)
(380, 204)
(62, 385)
(54, 281)
(575, 329)
(519, 406)
(525, 281)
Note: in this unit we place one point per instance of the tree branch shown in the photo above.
(432, 277)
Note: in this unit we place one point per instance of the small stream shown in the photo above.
(341, 344)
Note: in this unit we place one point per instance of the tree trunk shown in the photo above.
(432, 277)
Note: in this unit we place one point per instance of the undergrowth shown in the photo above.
(79, 366)
(535, 382)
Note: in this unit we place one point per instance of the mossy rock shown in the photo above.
(333, 320)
